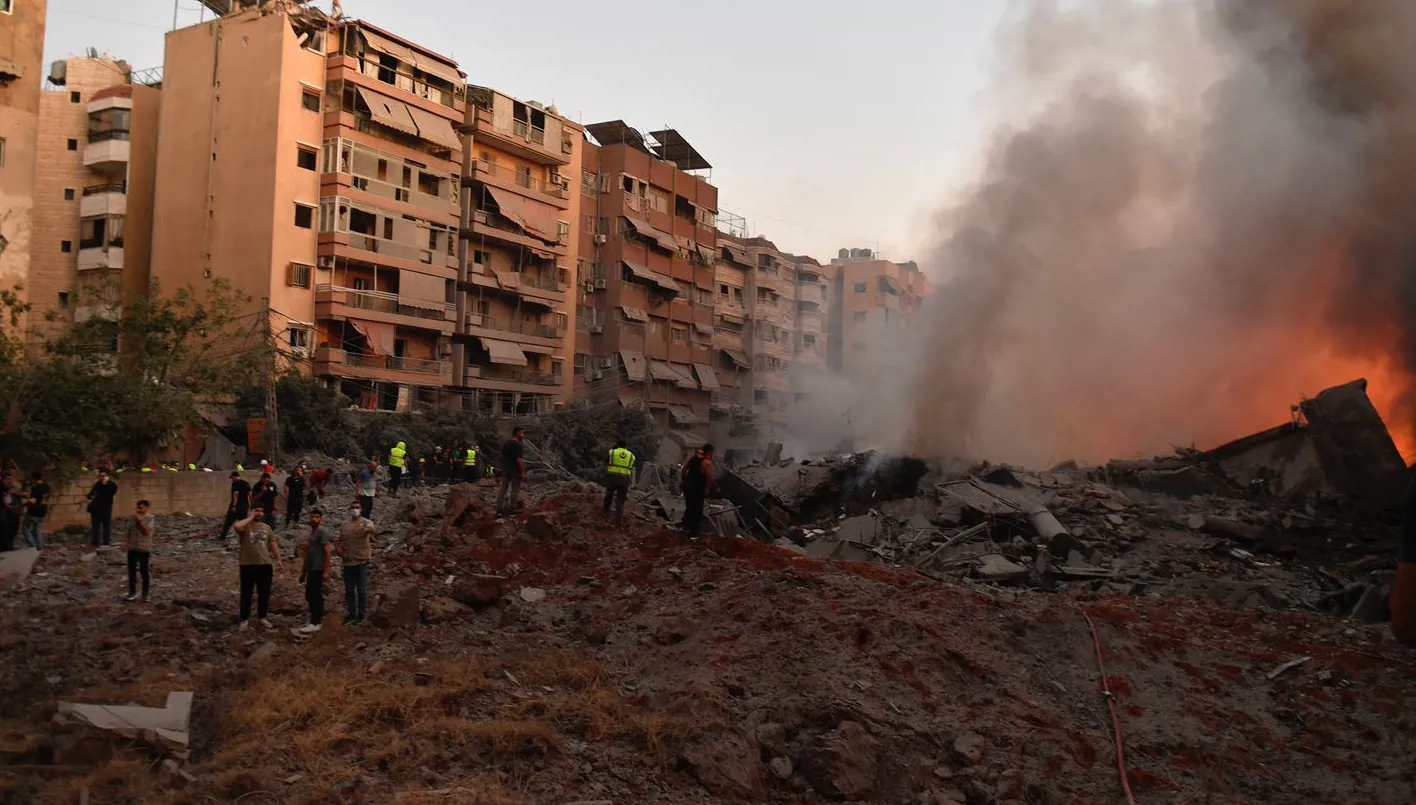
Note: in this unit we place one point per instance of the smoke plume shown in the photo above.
(1192, 214)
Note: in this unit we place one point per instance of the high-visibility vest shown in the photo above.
(621, 462)
(395, 457)
(470, 460)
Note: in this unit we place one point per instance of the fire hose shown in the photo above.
(1115, 716)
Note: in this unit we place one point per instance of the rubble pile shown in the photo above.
(545, 657)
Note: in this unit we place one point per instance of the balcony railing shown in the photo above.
(488, 218)
(542, 282)
(403, 251)
(537, 330)
(104, 136)
(525, 130)
(522, 178)
(382, 302)
(106, 188)
(516, 375)
(371, 361)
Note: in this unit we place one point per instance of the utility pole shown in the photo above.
(272, 413)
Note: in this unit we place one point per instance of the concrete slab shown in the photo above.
(165, 727)
(996, 567)
(15, 566)
(864, 529)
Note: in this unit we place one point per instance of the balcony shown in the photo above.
(498, 378)
(329, 361)
(521, 182)
(489, 224)
(538, 333)
(104, 199)
(332, 301)
(444, 208)
(107, 152)
(521, 138)
(100, 257)
(810, 321)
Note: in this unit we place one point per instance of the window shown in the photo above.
(587, 223)
(582, 363)
(860, 315)
(63, 299)
(66, 246)
(300, 275)
(603, 226)
(68, 194)
(808, 341)
(304, 216)
(360, 284)
(722, 290)
(859, 287)
(562, 230)
(7, 6)
(74, 97)
(307, 158)
(482, 259)
(73, 145)
(858, 346)
(588, 182)
(2, 139)
(109, 124)
(311, 100)
(299, 338)
(680, 334)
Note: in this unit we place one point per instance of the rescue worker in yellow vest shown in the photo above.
(469, 465)
(618, 475)
(395, 467)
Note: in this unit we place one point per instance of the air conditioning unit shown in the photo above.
(596, 329)
(606, 363)
(601, 284)
(589, 286)
(326, 261)
(597, 375)
(600, 239)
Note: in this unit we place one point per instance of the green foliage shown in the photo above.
(578, 436)
(72, 399)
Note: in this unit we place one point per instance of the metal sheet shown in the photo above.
(975, 497)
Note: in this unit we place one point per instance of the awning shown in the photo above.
(538, 349)
(379, 335)
(432, 66)
(635, 314)
(640, 271)
(887, 285)
(634, 366)
(504, 352)
(684, 415)
(737, 358)
(708, 255)
(665, 240)
(669, 373)
(737, 255)
(509, 203)
(388, 112)
(732, 318)
(417, 287)
(706, 378)
(388, 46)
(435, 129)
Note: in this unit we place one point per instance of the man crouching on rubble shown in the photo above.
(1403, 591)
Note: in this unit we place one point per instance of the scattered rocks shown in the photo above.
(543, 526)
(263, 653)
(781, 767)
(532, 595)
(968, 748)
(843, 764)
(442, 610)
(399, 608)
(726, 766)
(478, 591)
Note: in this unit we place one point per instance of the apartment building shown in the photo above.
(644, 318)
(769, 328)
(21, 55)
(518, 269)
(314, 164)
(95, 171)
(868, 299)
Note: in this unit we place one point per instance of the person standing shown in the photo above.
(698, 481)
(618, 475)
(469, 465)
(258, 555)
(266, 494)
(366, 487)
(294, 496)
(355, 551)
(36, 509)
(100, 507)
(9, 512)
(319, 481)
(395, 467)
(240, 504)
(513, 473)
(315, 572)
(138, 542)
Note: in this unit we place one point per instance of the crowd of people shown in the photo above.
(254, 512)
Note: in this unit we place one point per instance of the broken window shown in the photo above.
(722, 290)
(304, 216)
(92, 233)
(808, 341)
(306, 158)
(310, 100)
(429, 184)
(363, 223)
(684, 208)
(109, 124)
(680, 334)
(299, 338)
(588, 182)
(523, 175)
(859, 287)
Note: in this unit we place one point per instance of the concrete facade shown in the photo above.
(21, 56)
(92, 218)
(519, 255)
(644, 321)
(867, 300)
(205, 494)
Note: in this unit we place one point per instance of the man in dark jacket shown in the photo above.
(100, 506)
(698, 481)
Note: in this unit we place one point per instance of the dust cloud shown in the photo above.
(1191, 215)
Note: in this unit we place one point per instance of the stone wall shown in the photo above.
(202, 493)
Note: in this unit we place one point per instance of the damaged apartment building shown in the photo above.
(408, 234)
(770, 335)
(868, 301)
(644, 322)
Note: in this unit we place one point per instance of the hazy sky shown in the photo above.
(829, 123)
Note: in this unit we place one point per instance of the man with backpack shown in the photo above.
(697, 479)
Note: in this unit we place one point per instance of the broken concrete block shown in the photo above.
(781, 767)
(479, 590)
(533, 595)
(843, 765)
(864, 529)
(996, 567)
(398, 608)
(968, 748)
(163, 727)
(1195, 521)
(442, 610)
(727, 766)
